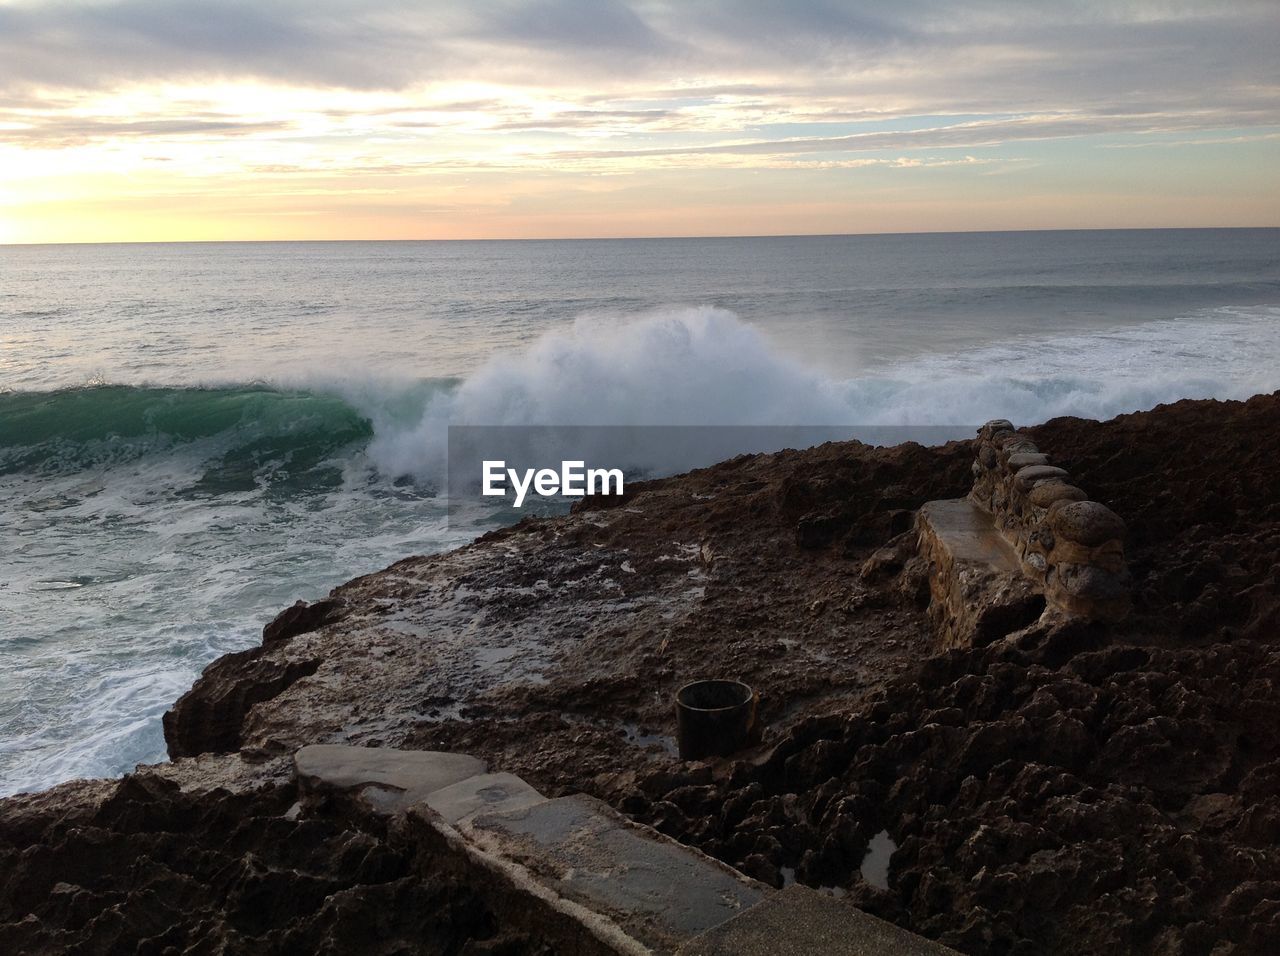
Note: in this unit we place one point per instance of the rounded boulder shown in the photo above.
(1047, 492)
(1023, 458)
(1028, 476)
(1086, 522)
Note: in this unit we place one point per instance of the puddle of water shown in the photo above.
(875, 865)
(634, 736)
(631, 733)
(789, 877)
(495, 655)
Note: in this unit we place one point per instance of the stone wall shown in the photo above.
(1071, 546)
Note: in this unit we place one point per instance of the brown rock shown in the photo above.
(1088, 591)
(208, 718)
(1014, 442)
(890, 559)
(1086, 522)
(1046, 493)
(979, 593)
(302, 618)
(1022, 459)
(1027, 477)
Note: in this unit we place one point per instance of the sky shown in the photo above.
(166, 120)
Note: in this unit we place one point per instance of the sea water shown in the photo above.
(192, 436)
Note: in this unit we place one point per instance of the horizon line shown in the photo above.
(791, 235)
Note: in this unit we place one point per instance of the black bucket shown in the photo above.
(714, 718)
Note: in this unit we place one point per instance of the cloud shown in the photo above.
(573, 27)
(354, 44)
(81, 45)
(587, 120)
(957, 135)
(944, 50)
(57, 132)
(662, 78)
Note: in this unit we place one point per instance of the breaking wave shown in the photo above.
(690, 366)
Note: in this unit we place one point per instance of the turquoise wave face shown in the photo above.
(246, 437)
(149, 530)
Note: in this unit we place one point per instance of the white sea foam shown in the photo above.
(703, 366)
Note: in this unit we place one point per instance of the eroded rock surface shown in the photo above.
(1068, 789)
(146, 866)
(553, 649)
(1045, 798)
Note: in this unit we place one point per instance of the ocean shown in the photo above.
(193, 436)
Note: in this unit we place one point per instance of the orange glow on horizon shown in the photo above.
(463, 125)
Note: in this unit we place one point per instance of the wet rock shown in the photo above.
(1052, 801)
(209, 717)
(760, 867)
(385, 779)
(158, 868)
(301, 618)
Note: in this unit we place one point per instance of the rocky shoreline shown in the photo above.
(1069, 787)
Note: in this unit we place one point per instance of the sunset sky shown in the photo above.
(125, 120)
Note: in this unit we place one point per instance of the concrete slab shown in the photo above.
(655, 890)
(977, 588)
(801, 921)
(969, 534)
(486, 792)
(387, 779)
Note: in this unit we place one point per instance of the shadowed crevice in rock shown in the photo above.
(208, 718)
(302, 618)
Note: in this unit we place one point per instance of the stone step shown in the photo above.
(969, 534)
(386, 780)
(977, 588)
(657, 891)
(577, 874)
(483, 793)
(802, 921)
